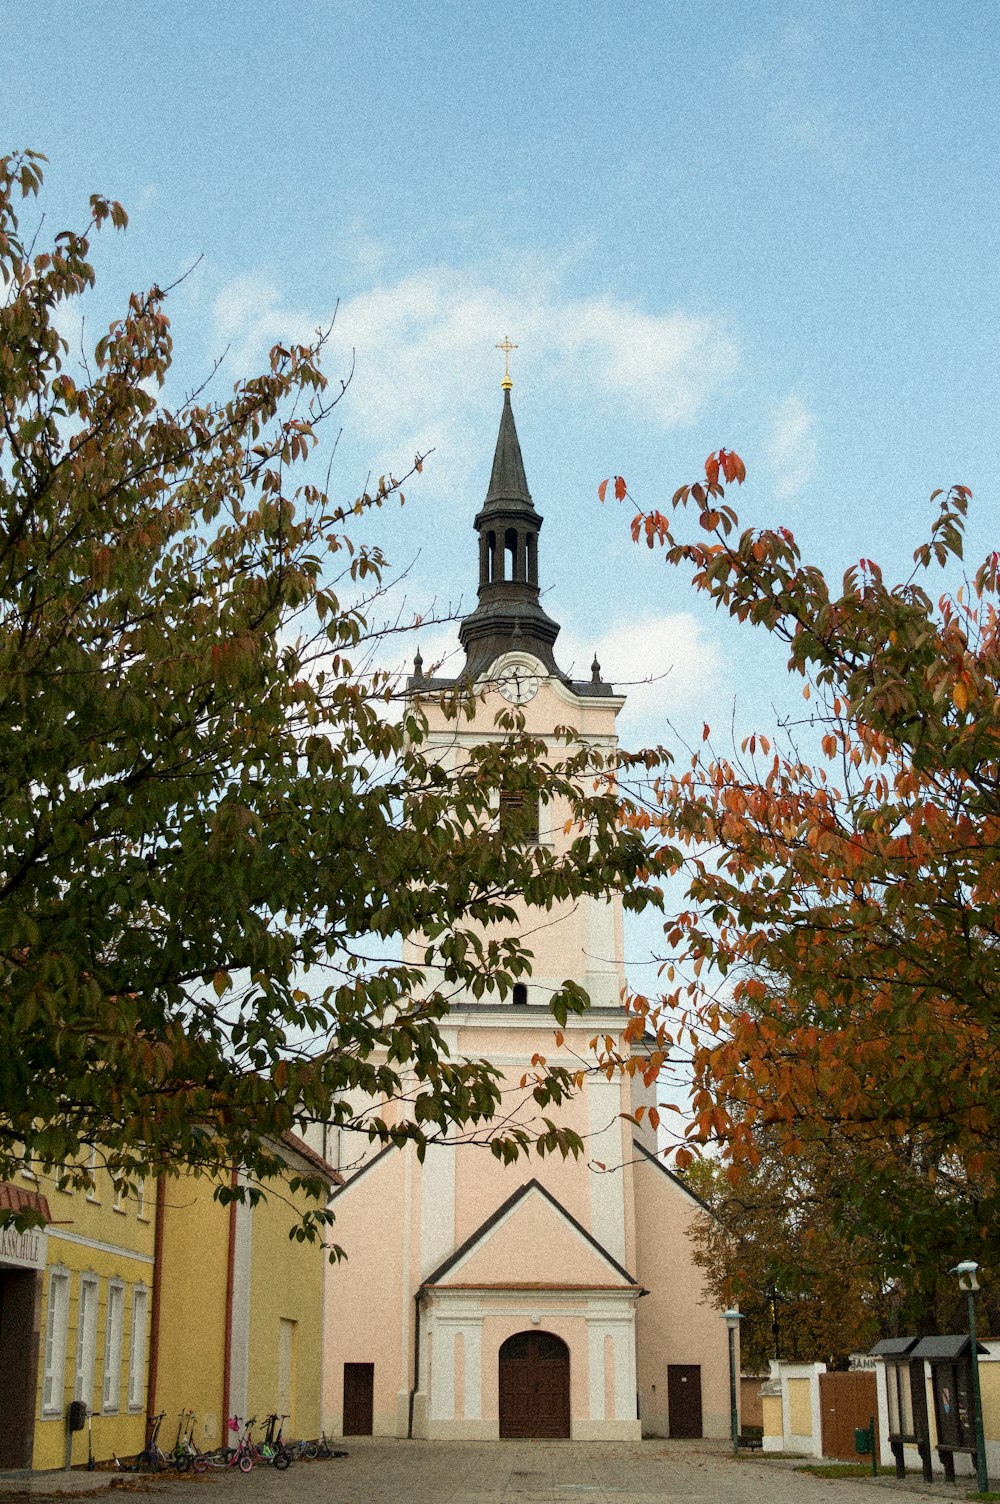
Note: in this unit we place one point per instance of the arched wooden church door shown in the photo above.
(534, 1385)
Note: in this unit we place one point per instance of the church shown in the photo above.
(551, 1297)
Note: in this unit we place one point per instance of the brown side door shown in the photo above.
(534, 1386)
(20, 1302)
(846, 1401)
(684, 1398)
(359, 1398)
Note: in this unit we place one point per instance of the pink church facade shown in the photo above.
(550, 1297)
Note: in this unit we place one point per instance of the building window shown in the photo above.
(140, 1199)
(113, 1328)
(86, 1340)
(92, 1174)
(54, 1375)
(511, 571)
(137, 1348)
(520, 995)
(518, 816)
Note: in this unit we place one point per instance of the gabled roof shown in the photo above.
(509, 1210)
(893, 1347)
(938, 1349)
(297, 1145)
(347, 1181)
(654, 1159)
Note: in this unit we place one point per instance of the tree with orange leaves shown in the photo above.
(835, 969)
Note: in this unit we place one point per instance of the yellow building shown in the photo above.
(238, 1327)
(75, 1302)
(165, 1301)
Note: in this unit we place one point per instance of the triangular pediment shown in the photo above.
(531, 1241)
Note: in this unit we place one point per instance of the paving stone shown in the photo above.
(381, 1471)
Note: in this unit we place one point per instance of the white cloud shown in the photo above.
(663, 664)
(791, 447)
(250, 315)
(420, 344)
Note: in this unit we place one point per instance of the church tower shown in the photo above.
(550, 1297)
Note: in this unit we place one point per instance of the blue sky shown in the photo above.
(772, 227)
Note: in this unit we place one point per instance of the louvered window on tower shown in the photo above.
(518, 815)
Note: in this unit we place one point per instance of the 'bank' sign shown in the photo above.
(22, 1250)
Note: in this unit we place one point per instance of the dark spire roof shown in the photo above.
(507, 480)
(508, 616)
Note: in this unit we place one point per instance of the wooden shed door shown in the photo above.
(684, 1398)
(359, 1396)
(846, 1401)
(534, 1386)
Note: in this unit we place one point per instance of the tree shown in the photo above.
(209, 816)
(772, 1246)
(835, 968)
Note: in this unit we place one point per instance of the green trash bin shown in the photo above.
(864, 1442)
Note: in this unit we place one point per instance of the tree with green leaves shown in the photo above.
(772, 1247)
(212, 826)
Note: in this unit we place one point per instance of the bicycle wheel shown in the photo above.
(282, 1459)
(246, 1462)
(310, 1449)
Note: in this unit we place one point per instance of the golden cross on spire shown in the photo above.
(506, 347)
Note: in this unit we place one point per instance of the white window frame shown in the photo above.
(140, 1199)
(56, 1327)
(114, 1330)
(92, 1192)
(86, 1338)
(137, 1348)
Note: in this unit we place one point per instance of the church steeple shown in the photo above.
(507, 478)
(508, 615)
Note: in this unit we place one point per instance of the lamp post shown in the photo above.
(772, 1296)
(732, 1320)
(968, 1282)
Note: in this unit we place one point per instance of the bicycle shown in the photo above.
(324, 1449)
(241, 1455)
(188, 1448)
(151, 1458)
(181, 1456)
(275, 1449)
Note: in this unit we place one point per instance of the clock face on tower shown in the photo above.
(518, 685)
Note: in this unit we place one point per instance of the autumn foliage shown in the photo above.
(834, 970)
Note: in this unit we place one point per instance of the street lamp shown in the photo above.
(968, 1282)
(772, 1296)
(732, 1320)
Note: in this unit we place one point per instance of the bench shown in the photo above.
(751, 1443)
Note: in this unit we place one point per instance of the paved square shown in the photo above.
(381, 1471)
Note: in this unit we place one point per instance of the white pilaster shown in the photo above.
(607, 1189)
(437, 1207)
